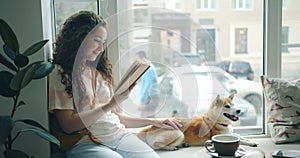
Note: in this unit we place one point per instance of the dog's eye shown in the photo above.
(227, 106)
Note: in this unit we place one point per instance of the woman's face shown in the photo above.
(95, 43)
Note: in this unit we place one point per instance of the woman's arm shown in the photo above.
(71, 121)
(167, 123)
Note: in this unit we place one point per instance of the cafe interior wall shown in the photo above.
(25, 18)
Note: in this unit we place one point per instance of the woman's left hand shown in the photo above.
(168, 123)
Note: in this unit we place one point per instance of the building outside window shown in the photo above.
(241, 40)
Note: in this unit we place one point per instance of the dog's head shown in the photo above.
(223, 109)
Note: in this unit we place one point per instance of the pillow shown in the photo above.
(283, 108)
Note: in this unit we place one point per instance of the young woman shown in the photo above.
(81, 94)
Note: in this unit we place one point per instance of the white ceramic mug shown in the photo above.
(223, 144)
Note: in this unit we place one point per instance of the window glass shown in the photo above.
(141, 34)
(64, 9)
(241, 40)
(196, 54)
(284, 39)
(140, 16)
(170, 36)
(290, 68)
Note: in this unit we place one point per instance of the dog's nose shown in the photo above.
(238, 111)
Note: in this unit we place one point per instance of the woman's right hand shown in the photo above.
(119, 98)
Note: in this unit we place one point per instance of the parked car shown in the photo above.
(238, 69)
(192, 93)
(248, 90)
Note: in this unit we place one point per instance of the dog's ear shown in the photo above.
(218, 100)
(231, 96)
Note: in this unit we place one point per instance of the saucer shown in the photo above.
(239, 153)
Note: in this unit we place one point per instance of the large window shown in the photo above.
(199, 55)
(226, 54)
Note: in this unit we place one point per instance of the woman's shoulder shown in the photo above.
(55, 76)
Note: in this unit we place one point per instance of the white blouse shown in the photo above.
(106, 128)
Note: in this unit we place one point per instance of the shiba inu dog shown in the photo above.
(196, 130)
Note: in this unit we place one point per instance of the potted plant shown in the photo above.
(12, 81)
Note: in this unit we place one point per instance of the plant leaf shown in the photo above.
(10, 53)
(21, 60)
(43, 68)
(22, 78)
(15, 154)
(8, 36)
(35, 47)
(5, 80)
(32, 123)
(7, 63)
(43, 134)
(6, 125)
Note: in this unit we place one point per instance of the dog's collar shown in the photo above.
(222, 124)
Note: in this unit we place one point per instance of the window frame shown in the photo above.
(272, 45)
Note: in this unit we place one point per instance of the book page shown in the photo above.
(133, 73)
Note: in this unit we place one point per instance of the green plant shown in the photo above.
(20, 73)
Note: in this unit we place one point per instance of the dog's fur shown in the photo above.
(196, 130)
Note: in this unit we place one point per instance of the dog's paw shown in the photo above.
(170, 148)
(185, 145)
(249, 143)
(253, 144)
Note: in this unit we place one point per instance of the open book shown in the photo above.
(133, 73)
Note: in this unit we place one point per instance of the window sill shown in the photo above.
(265, 144)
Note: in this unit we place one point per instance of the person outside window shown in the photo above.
(149, 92)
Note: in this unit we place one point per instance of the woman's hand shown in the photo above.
(169, 123)
(119, 98)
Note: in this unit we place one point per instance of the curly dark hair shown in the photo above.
(68, 42)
